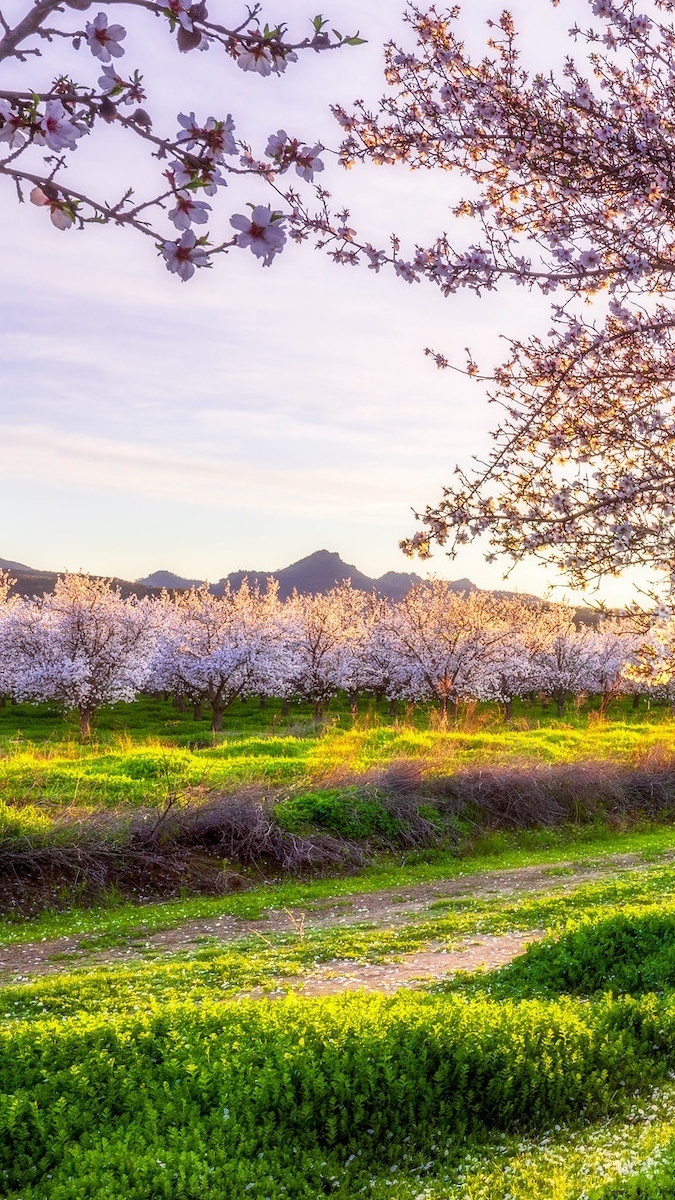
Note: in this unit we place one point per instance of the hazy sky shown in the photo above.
(251, 415)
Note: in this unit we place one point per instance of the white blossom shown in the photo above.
(183, 256)
(189, 211)
(56, 129)
(307, 162)
(261, 233)
(103, 39)
(10, 130)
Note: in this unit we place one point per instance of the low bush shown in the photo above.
(269, 1100)
(181, 843)
(628, 953)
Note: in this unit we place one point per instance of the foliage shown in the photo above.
(632, 951)
(205, 1091)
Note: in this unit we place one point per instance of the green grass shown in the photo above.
(145, 751)
(147, 1078)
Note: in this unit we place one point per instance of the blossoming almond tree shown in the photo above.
(571, 194)
(7, 606)
(83, 645)
(41, 127)
(447, 639)
(564, 660)
(322, 633)
(215, 647)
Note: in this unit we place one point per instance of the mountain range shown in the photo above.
(316, 573)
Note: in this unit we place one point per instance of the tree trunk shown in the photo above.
(318, 710)
(86, 715)
(393, 709)
(636, 699)
(217, 718)
(285, 707)
(508, 709)
(197, 710)
(179, 701)
(263, 701)
(379, 695)
(560, 705)
(354, 703)
(3, 701)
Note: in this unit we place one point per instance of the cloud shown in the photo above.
(38, 453)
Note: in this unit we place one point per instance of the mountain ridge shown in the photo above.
(314, 574)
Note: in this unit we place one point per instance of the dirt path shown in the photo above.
(388, 908)
(413, 970)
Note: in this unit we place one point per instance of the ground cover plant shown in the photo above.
(199, 1045)
(156, 1077)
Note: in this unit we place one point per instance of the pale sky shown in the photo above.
(250, 416)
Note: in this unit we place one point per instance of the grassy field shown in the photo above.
(144, 751)
(175, 1049)
(553, 1076)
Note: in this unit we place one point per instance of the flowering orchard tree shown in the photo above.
(511, 670)
(651, 667)
(448, 640)
(320, 634)
(82, 645)
(615, 643)
(215, 647)
(571, 194)
(7, 605)
(379, 667)
(41, 129)
(564, 659)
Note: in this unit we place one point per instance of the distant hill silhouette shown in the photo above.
(315, 574)
(31, 582)
(167, 579)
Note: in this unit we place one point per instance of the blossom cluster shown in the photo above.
(570, 187)
(203, 155)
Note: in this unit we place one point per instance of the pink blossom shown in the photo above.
(10, 130)
(584, 96)
(255, 58)
(262, 233)
(179, 12)
(276, 144)
(60, 217)
(189, 211)
(307, 162)
(590, 258)
(185, 255)
(215, 137)
(103, 39)
(55, 129)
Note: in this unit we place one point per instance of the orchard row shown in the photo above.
(84, 646)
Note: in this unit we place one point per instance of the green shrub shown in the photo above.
(95, 1107)
(349, 812)
(626, 953)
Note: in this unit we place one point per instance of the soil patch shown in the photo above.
(412, 970)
